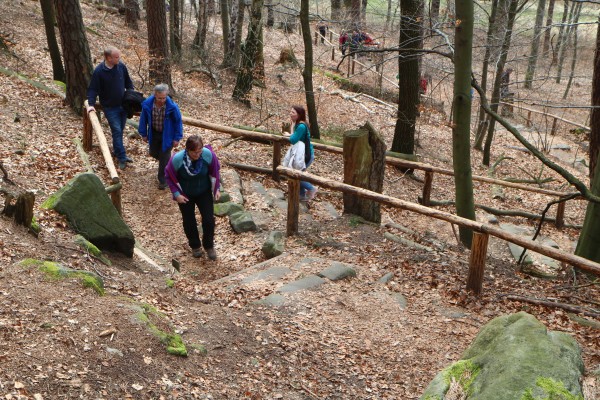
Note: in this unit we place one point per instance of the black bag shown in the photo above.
(132, 102)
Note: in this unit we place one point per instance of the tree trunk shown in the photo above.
(259, 63)
(535, 44)
(461, 127)
(159, 70)
(225, 27)
(595, 113)
(199, 44)
(76, 52)
(364, 167)
(58, 71)
(512, 13)
(336, 10)
(434, 11)
(363, 13)
(354, 13)
(408, 73)
(307, 72)
(132, 14)
(270, 13)
(238, 32)
(574, 58)
(491, 33)
(548, 32)
(245, 75)
(174, 30)
(564, 40)
(587, 245)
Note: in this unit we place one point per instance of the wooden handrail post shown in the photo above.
(353, 64)
(316, 37)
(560, 214)
(87, 131)
(293, 213)
(528, 122)
(332, 53)
(276, 160)
(116, 200)
(349, 61)
(477, 262)
(427, 188)
(553, 131)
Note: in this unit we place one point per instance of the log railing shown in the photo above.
(91, 125)
(391, 159)
(555, 118)
(481, 231)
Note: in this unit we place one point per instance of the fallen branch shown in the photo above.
(548, 303)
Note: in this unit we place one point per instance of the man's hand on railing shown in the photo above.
(89, 109)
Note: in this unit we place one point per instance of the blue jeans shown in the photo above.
(304, 186)
(116, 118)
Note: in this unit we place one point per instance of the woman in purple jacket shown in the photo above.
(193, 177)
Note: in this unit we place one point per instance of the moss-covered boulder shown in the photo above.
(222, 209)
(242, 221)
(88, 209)
(152, 318)
(514, 357)
(57, 271)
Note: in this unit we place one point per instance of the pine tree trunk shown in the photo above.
(76, 51)
(548, 32)
(308, 70)
(174, 30)
(159, 70)
(595, 113)
(132, 14)
(535, 44)
(408, 73)
(564, 40)
(364, 167)
(336, 10)
(225, 27)
(574, 58)
(245, 75)
(498, 79)
(58, 71)
(461, 118)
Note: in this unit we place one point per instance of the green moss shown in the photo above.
(56, 271)
(355, 221)
(553, 390)
(50, 202)
(464, 373)
(91, 249)
(35, 227)
(174, 343)
(170, 283)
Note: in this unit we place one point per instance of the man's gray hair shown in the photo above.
(109, 50)
(161, 88)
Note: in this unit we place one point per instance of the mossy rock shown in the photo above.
(514, 357)
(151, 317)
(57, 271)
(91, 249)
(222, 209)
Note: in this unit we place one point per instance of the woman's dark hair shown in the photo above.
(301, 114)
(193, 143)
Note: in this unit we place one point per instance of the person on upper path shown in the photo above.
(161, 126)
(193, 178)
(109, 81)
(299, 131)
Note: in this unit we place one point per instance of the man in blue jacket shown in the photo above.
(161, 127)
(109, 81)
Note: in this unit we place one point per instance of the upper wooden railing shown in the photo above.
(391, 159)
(481, 231)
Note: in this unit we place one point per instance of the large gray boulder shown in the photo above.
(514, 357)
(89, 211)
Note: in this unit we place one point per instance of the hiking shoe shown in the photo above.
(197, 253)
(122, 164)
(128, 159)
(310, 194)
(162, 186)
(212, 254)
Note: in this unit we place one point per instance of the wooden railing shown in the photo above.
(555, 118)
(481, 231)
(91, 125)
(391, 159)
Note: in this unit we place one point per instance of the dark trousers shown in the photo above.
(163, 157)
(190, 226)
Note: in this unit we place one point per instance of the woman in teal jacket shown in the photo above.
(299, 130)
(161, 127)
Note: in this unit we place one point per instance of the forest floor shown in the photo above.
(348, 340)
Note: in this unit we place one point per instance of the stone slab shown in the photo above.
(271, 274)
(337, 271)
(307, 283)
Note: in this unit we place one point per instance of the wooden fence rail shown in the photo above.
(555, 117)
(479, 250)
(391, 159)
(91, 125)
